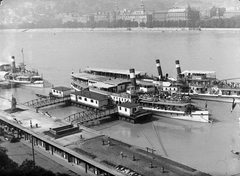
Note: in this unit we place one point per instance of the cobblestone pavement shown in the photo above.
(19, 152)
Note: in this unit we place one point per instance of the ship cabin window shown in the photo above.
(96, 101)
(134, 110)
(126, 109)
(85, 99)
(91, 101)
(79, 98)
(120, 108)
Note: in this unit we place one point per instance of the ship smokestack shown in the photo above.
(160, 75)
(178, 68)
(13, 64)
(133, 78)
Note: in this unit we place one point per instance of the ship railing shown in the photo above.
(121, 94)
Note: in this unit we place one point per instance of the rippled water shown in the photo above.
(206, 147)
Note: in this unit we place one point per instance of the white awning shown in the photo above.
(2, 75)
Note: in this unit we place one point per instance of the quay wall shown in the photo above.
(78, 149)
(124, 29)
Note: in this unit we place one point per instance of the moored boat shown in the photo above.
(176, 109)
(23, 77)
(27, 80)
(203, 85)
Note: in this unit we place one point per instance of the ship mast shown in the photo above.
(23, 64)
(23, 56)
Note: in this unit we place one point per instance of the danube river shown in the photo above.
(206, 147)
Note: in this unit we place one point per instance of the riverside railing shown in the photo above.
(87, 116)
(42, 102)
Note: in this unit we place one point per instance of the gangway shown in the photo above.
(86, 116)
(42, 102)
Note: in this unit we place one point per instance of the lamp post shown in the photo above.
(33, 151)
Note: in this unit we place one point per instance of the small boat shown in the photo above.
(176, 109)
(23, 77)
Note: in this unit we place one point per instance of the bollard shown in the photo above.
(103, 143)
(36, 125)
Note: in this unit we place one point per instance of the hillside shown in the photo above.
(90, 6)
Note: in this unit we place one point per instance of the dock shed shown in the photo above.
(89, 98)
(131, 112)
(61, 91)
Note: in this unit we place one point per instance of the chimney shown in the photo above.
(178, 68)
(13, 64)
(159, 69)
(133, 78)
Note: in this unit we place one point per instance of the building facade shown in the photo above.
(184, 14)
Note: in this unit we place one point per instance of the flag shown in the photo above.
(233, 104)
(22, 50)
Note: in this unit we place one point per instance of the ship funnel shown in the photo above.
(160, 75)
(178, 68)
(133, 78)
(13, 64)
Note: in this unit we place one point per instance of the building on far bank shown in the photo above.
(183, 14)
(231, 12)
(139, 15)
(74, 17)
(160, 15)
(212, 12)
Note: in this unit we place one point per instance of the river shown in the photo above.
(56, 54)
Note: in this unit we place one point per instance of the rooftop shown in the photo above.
(88, 76)
(176, 10)
(61, 88)
(114, 71)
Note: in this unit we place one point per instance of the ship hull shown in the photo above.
(196, 116)
(28, 84)
(217, 98)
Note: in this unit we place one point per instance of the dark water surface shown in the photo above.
(206, 147)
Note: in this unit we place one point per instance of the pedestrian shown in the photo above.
(133, 157)
(121, 153)
(162, 169)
